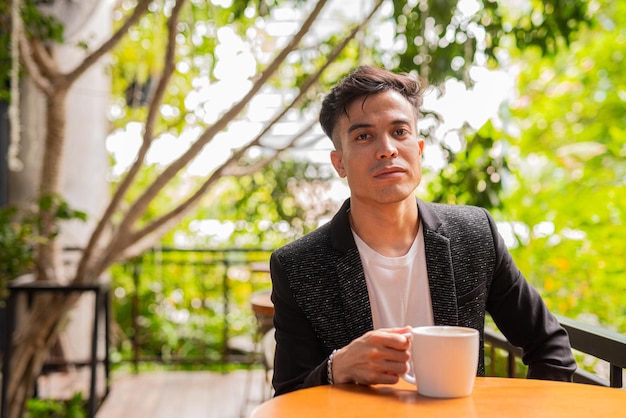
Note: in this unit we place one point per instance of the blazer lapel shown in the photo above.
(353, 287)
(439, 266)
(351, 278)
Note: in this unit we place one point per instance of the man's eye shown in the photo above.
(362, 137)
(401, 132)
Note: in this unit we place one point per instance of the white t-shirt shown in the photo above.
(398, 286)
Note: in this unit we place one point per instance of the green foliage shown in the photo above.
(180, 294)
(36, 25)
(496, 363)
(474, 175)
(60, 208)
(17, 247)
(48, 408)
(139, 59)
(265, 209)
(423, 50)
(165, 200)
(179, 310)
(572, 173)
(562, 179)
(19, 235)
(441, 40)
(207, 32)
(186, 303)
(549, 24)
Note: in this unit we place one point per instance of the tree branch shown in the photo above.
(243, 171)
(121, 241)
(313, 78)
(148, 137)
(138, 11)
(46, 64)
(119, 246)
(47, 311)
(173, 216)
(32, 68)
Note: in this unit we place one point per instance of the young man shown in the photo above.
(345, 294)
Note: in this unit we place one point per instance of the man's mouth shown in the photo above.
(389, 172)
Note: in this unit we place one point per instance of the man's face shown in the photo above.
(380, 153)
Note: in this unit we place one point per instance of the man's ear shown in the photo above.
(336, 157)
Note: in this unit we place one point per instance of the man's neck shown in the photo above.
(388, 229)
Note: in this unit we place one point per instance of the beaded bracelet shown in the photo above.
(329, 367)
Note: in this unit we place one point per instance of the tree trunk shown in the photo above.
(38, 330)
(32, 338)
(47, 258)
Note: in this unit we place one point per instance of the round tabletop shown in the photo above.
(492, 397)
(262, 303)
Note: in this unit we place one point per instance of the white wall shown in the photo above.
(85, 161)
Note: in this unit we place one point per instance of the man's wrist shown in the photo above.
(329, 367)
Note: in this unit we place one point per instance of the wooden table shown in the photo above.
(262, 303)
(263, 309)
(492, 397)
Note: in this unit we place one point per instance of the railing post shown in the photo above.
(615, 377)
(226, 296)
(511, 364)
(31, 289)
(135, 312)
(8, 338)
(107, 339)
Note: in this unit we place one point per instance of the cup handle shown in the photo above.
(409, 377)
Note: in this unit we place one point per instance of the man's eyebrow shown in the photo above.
(402, 121)
(356, 126)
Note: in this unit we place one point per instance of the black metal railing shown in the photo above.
(25, 291)
(188, 306)
(222, 282)
(603, 344)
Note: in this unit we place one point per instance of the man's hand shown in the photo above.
(378, 356)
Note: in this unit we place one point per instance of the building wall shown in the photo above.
(85, 161)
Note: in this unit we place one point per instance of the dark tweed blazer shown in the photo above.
(321, 301)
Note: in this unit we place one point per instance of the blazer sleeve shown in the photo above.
(522, 316)
(299, 361)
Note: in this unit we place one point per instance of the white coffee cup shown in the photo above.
(444, 360)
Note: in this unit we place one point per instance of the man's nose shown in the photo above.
(387, 148)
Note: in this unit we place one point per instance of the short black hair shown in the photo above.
(364, 81)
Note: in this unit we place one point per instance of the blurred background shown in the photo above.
(170, 146)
